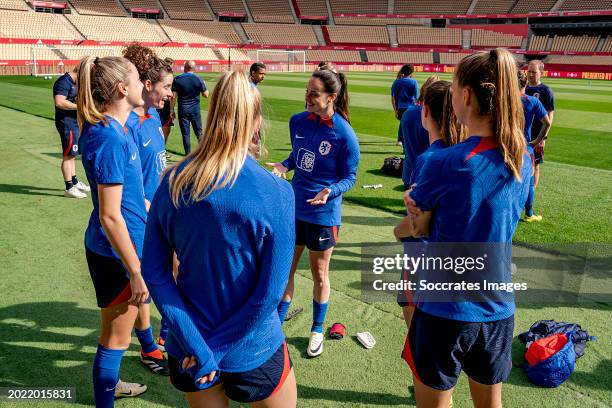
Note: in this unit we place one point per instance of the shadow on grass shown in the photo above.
(30, 190)
(348, 398)
(52, 344)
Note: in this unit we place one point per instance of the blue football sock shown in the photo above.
(145, 337)
(163, 330)
(282, 309)
(318, 316)
(106, 375)
(529, 202)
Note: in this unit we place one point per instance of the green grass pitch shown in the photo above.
(48, 316)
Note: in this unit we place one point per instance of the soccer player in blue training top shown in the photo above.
(231, 225)
(414, 137)
(64, 98)
(534, 113)
(324, 156)
(109, 89)
(187, 89)
(404, 93)
(257, 73)
(473, 192)
(538, 89)
(146, 129)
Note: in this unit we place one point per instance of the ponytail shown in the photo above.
(492, 76)
(336, 83)
(98, 79)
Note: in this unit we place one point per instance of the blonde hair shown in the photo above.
(98, 81)
(493, 79)
(233, 112)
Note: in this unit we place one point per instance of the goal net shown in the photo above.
(280, 60)
(55, 60)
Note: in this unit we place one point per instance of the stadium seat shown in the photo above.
(607, 46)
(370, 21)
(351, 6)
(451, 58)
(117, 28)
(227, 6)
(146, 4)
(361, 35)
(311, 8)
(429, 36)
(492, 38)
(425, 7)
(493, 6)
(280, 34)
(13, 5)
(580, 59)
(538, 42)
(316, 56)
(200, 31)
(104, 8)
(400, 57)
(23, 24)
(571, 5)
(574, 43)
(270, 11)
(528, 6)
(187, 9)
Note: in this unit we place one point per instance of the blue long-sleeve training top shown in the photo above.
(235, 249)
(325, 153)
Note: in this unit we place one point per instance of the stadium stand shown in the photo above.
(573, 43)
(607, 45)
(270, 11)
(362, 35)
(400, 57)
(492, 38)
(538, 42)
(227, 6)
(528, 6)
(493, 6)
(116, 28)
(332, 55)
(23, 24)
(24, 52)
(184, 53)
(145, 4)
(425, 7)
(187, 9)
(351, 6)
(236, 55)
(97, 7)
(311, 7)
(429, 36)
(369, 21)
(13, 5)
(280, 34)
(450, 58)
(574, 5)
(579, 59)
(200, 31)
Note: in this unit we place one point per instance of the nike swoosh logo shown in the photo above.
(299, 137)
(147, 143)
(110, 389)
(323, 239)
(134, 156)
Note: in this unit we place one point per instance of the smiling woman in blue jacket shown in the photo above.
(231, 225)
(324, 157)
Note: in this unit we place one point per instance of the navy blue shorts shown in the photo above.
(315, 237)
(437, 349)
(538, 154)
(69, 135)
(110, 279)
(249, 386)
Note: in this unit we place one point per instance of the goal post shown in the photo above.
(282, 60)
(52, 60)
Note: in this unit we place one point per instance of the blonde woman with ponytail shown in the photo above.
(475, 192)
(231, 225)
(109, 89)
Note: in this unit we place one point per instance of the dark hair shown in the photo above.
(428, 81)
(336, 83)
(326, 65)
(522, 79)
(405, 70)
(438, 100)
(148, 64)
(256, 67)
